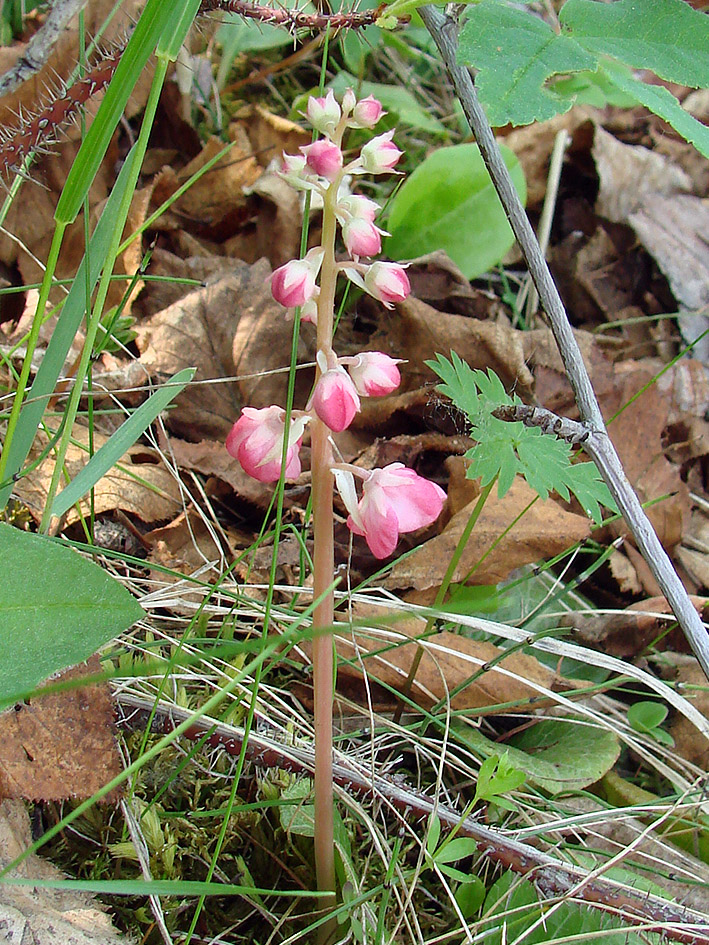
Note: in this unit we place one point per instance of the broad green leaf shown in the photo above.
(449, 203)
(555, 754)
(662, 102)
(70, 318)
(515, 54)
(470, 895)
(394, 98)
(56, 609)
(120, 441)
(456, 849)
(665, 36)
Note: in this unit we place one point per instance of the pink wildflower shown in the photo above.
(294, 169)
(324, 157)
(394, 500)
(294, 283)
(356, 207)
(324, 113)
(375, 374)
(387, 282)
(362, 238)
(366, 113)
(380, 154)
(256, 441)
(335, 398)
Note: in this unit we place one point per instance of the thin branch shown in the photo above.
(293, 19)
(444, 30)
(553, 877)
(41, 45)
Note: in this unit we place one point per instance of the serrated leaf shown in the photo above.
(515, 54)
(56, 609)
(665, 36)
(450, 203)
(556, 754)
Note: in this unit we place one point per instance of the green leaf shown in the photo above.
(470, 895)
(56, 609)
(153, 20)
(663, 103)
(66, 328)
(456, 849)
(449, 203)
(646, 716)
(120, 441)
(497, 776)
(395, 98)
(665, 36)
(555, 754)
(515, 54)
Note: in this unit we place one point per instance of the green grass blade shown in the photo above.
(154, 18)
(174, 35)
(73, 311)
(124, 437)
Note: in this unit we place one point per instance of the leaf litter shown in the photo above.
(619, 252)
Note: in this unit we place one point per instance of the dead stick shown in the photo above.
(554, 878)
(444, 30)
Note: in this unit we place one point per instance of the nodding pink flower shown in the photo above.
(335, 399)
(256, 441)
(324, 114)
(366, 113)
(294, 283)
(323, 157)
(356, 207)
(394, 500)
(362, 238)
(294, 169)
(375, 374)
(379, 154)
(387, 282)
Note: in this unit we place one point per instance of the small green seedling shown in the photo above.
(647, 717)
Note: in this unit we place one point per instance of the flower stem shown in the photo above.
(323, 575)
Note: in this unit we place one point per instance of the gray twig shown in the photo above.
(41, 45)
(444, 31)
(552, 876)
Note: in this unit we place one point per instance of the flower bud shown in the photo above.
(355, 206)
(324, 113)
(256, 441)
(349, 100)
(294, 283)
(362, 238)
(295, 171)
(379, 154)
(375, 374)
(366, 113)
(387, 282)
(323, 157)
(335, 399)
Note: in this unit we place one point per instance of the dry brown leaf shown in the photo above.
(270, 135)
(139, 485)
(448, 662)
(419, 332)
(44, 916)
(533, 145)
(186, 544)
(60, 745)
(545, 530)
(198, 331)
(689, 741)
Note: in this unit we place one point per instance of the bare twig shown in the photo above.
(41, 45)
(553, 877)
(444, 31)
(292, 19)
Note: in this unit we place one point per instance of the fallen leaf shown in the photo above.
(545, 530)
(448, 663)
(690, 744)
(60, 745)
(139, 484)
(44, 916)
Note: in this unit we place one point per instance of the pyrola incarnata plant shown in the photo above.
(394, 499)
